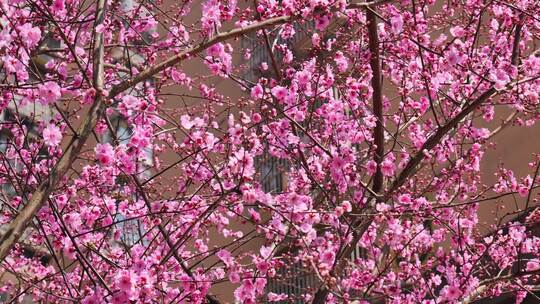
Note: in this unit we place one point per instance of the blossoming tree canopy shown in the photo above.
(216, 151)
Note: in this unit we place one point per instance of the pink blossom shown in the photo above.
(226, 257)
(256, 117)
(254, 194)
(125, 281)
(457, 31)
(141, 137)
(5, 38)
(321, 22)
(104, 153)
(93, 298)
(266, 251)
(533, 265)
(501, 78)
(454, 57)
(216, 50)
(396, 24)
(29, 34)
(210, 15)
(178, 77)
(451, 293)
(346, 205)
(58, 7)
(257, 91)
(279, 92)
(52, 136)
(338, 163)
(316, 40)
(49, 92)
(328, 257)
(342, 62)
(120, 298)
(388, 167)
(273, 297)
(371, 167)
(382, 207)
(246, 292)
(405, 199)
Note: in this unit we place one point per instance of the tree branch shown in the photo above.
(378, 179)
(148, 73)
(441, 132)
(17, 227)
(378, 135)
(361, 226)
(436, 138)
(484, 284)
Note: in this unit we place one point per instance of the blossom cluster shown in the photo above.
(134, 123)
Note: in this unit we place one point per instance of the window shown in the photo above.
(294, 281)
(131, 230)
(7, 188)
(259, 50)
(7, 121)
(123, 133)
(271, 171)
(132, 6)
(16, 115)
(42, 58)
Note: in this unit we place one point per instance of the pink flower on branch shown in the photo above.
(52, 136)
(298, 150)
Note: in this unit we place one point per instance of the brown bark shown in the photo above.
(17, 227)
(378, 135)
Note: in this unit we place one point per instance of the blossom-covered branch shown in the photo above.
(314, 151)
